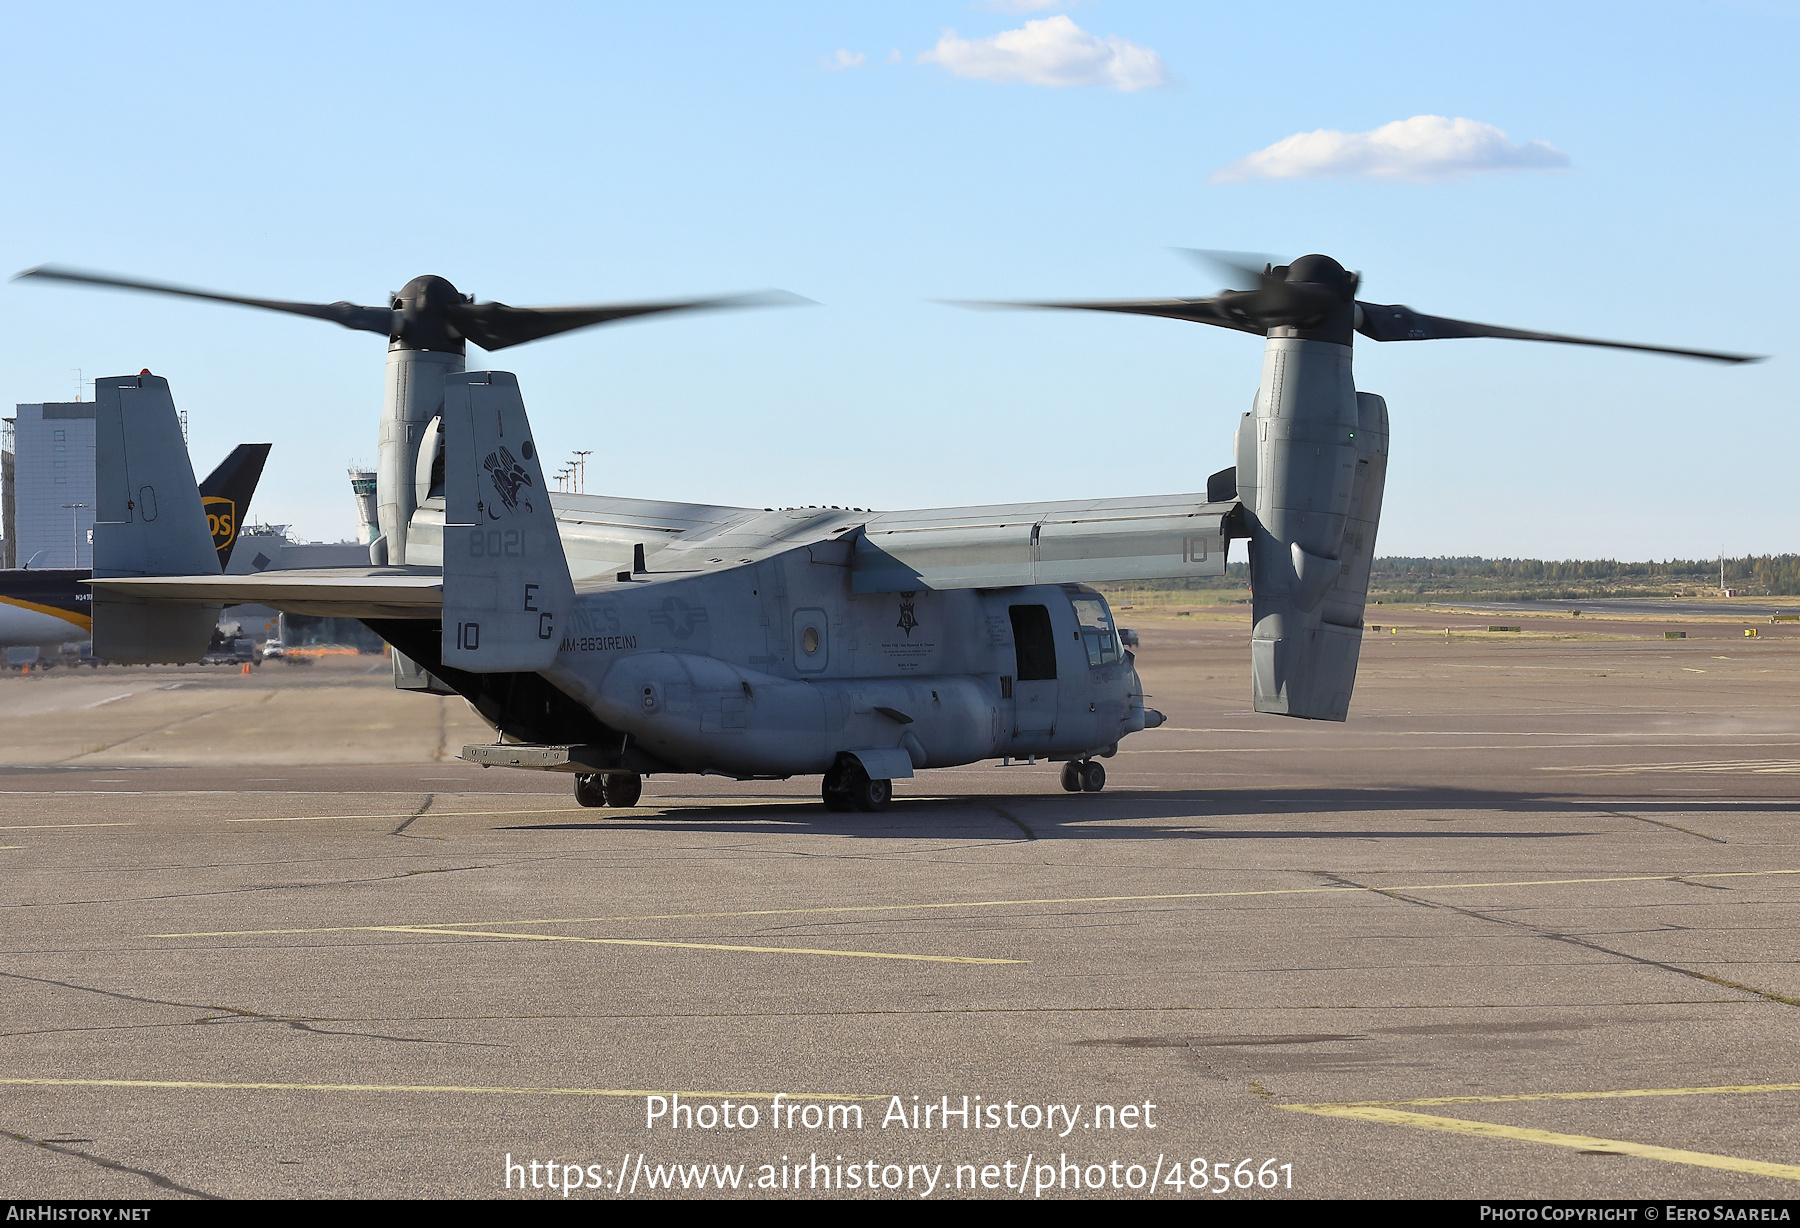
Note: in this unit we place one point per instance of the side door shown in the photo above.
(1034, 682)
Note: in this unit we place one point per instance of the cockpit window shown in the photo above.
(1097, 632)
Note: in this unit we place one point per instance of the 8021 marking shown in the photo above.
(496, 544)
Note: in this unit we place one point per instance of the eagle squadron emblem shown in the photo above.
(509, 478)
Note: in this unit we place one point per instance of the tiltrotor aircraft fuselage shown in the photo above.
(614, 638)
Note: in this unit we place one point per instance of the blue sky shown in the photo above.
(556, 154)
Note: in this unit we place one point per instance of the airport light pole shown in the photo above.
(581, 470)
(75, 510)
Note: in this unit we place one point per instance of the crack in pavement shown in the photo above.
(156, 1179)
(302, 1025)
(1582, 943)
(426, 805)
(1669, 826)
(1029, 834)
(333, 882)
(126, 997)
(228, 1014)
(71, 761)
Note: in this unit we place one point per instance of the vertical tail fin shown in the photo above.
(225, 494)
(507, 590)
(149, 522)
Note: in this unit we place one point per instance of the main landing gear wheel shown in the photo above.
(848, 787)
(590, 790)
(834, 790)
(1093, 777)
(870, 795)
(1071, 777)
(622, 789)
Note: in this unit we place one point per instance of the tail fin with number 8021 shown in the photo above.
(507, 591)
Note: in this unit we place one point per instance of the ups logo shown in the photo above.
(221, 520)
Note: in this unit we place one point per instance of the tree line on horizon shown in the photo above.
(1775, 575)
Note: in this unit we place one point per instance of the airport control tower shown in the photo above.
(362, 488)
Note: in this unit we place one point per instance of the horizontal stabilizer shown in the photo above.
(338, 592)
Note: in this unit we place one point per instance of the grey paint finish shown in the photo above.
(413, 395)
(745, 648)
(149, 522)
(1312, 464)
(507, 592)
(1088, 540)
(337, 592)
(702, 671)
(1158, 537)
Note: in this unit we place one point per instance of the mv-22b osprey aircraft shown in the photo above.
(614, 638)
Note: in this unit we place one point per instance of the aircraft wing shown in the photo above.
(599, 532)
(334, 592)
(635, 515)
(1086, 540)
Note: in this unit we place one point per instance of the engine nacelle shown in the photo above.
(1311, 467)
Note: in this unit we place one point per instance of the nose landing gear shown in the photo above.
(1083, 776)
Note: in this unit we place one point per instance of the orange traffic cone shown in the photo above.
(246, 667)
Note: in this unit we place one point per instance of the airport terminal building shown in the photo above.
(47, 485)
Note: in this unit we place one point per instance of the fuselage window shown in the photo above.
(1098, 635)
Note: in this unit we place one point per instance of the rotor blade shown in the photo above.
(1243, 270)
(494, 326)
(365, 319)
(1381, 322)
(1196, 310)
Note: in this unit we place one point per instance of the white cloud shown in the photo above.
(1051, 51)
(894, 56)
(844, 59)
(1424, 148)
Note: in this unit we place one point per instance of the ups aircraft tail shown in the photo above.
(225, 494)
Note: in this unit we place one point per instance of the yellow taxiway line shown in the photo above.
(642, 812)
(1093, 899)
(695, 946)
(426, 1089)
(1729, 1089)
(55, 826)
(1523, 1134)
(401, 814)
